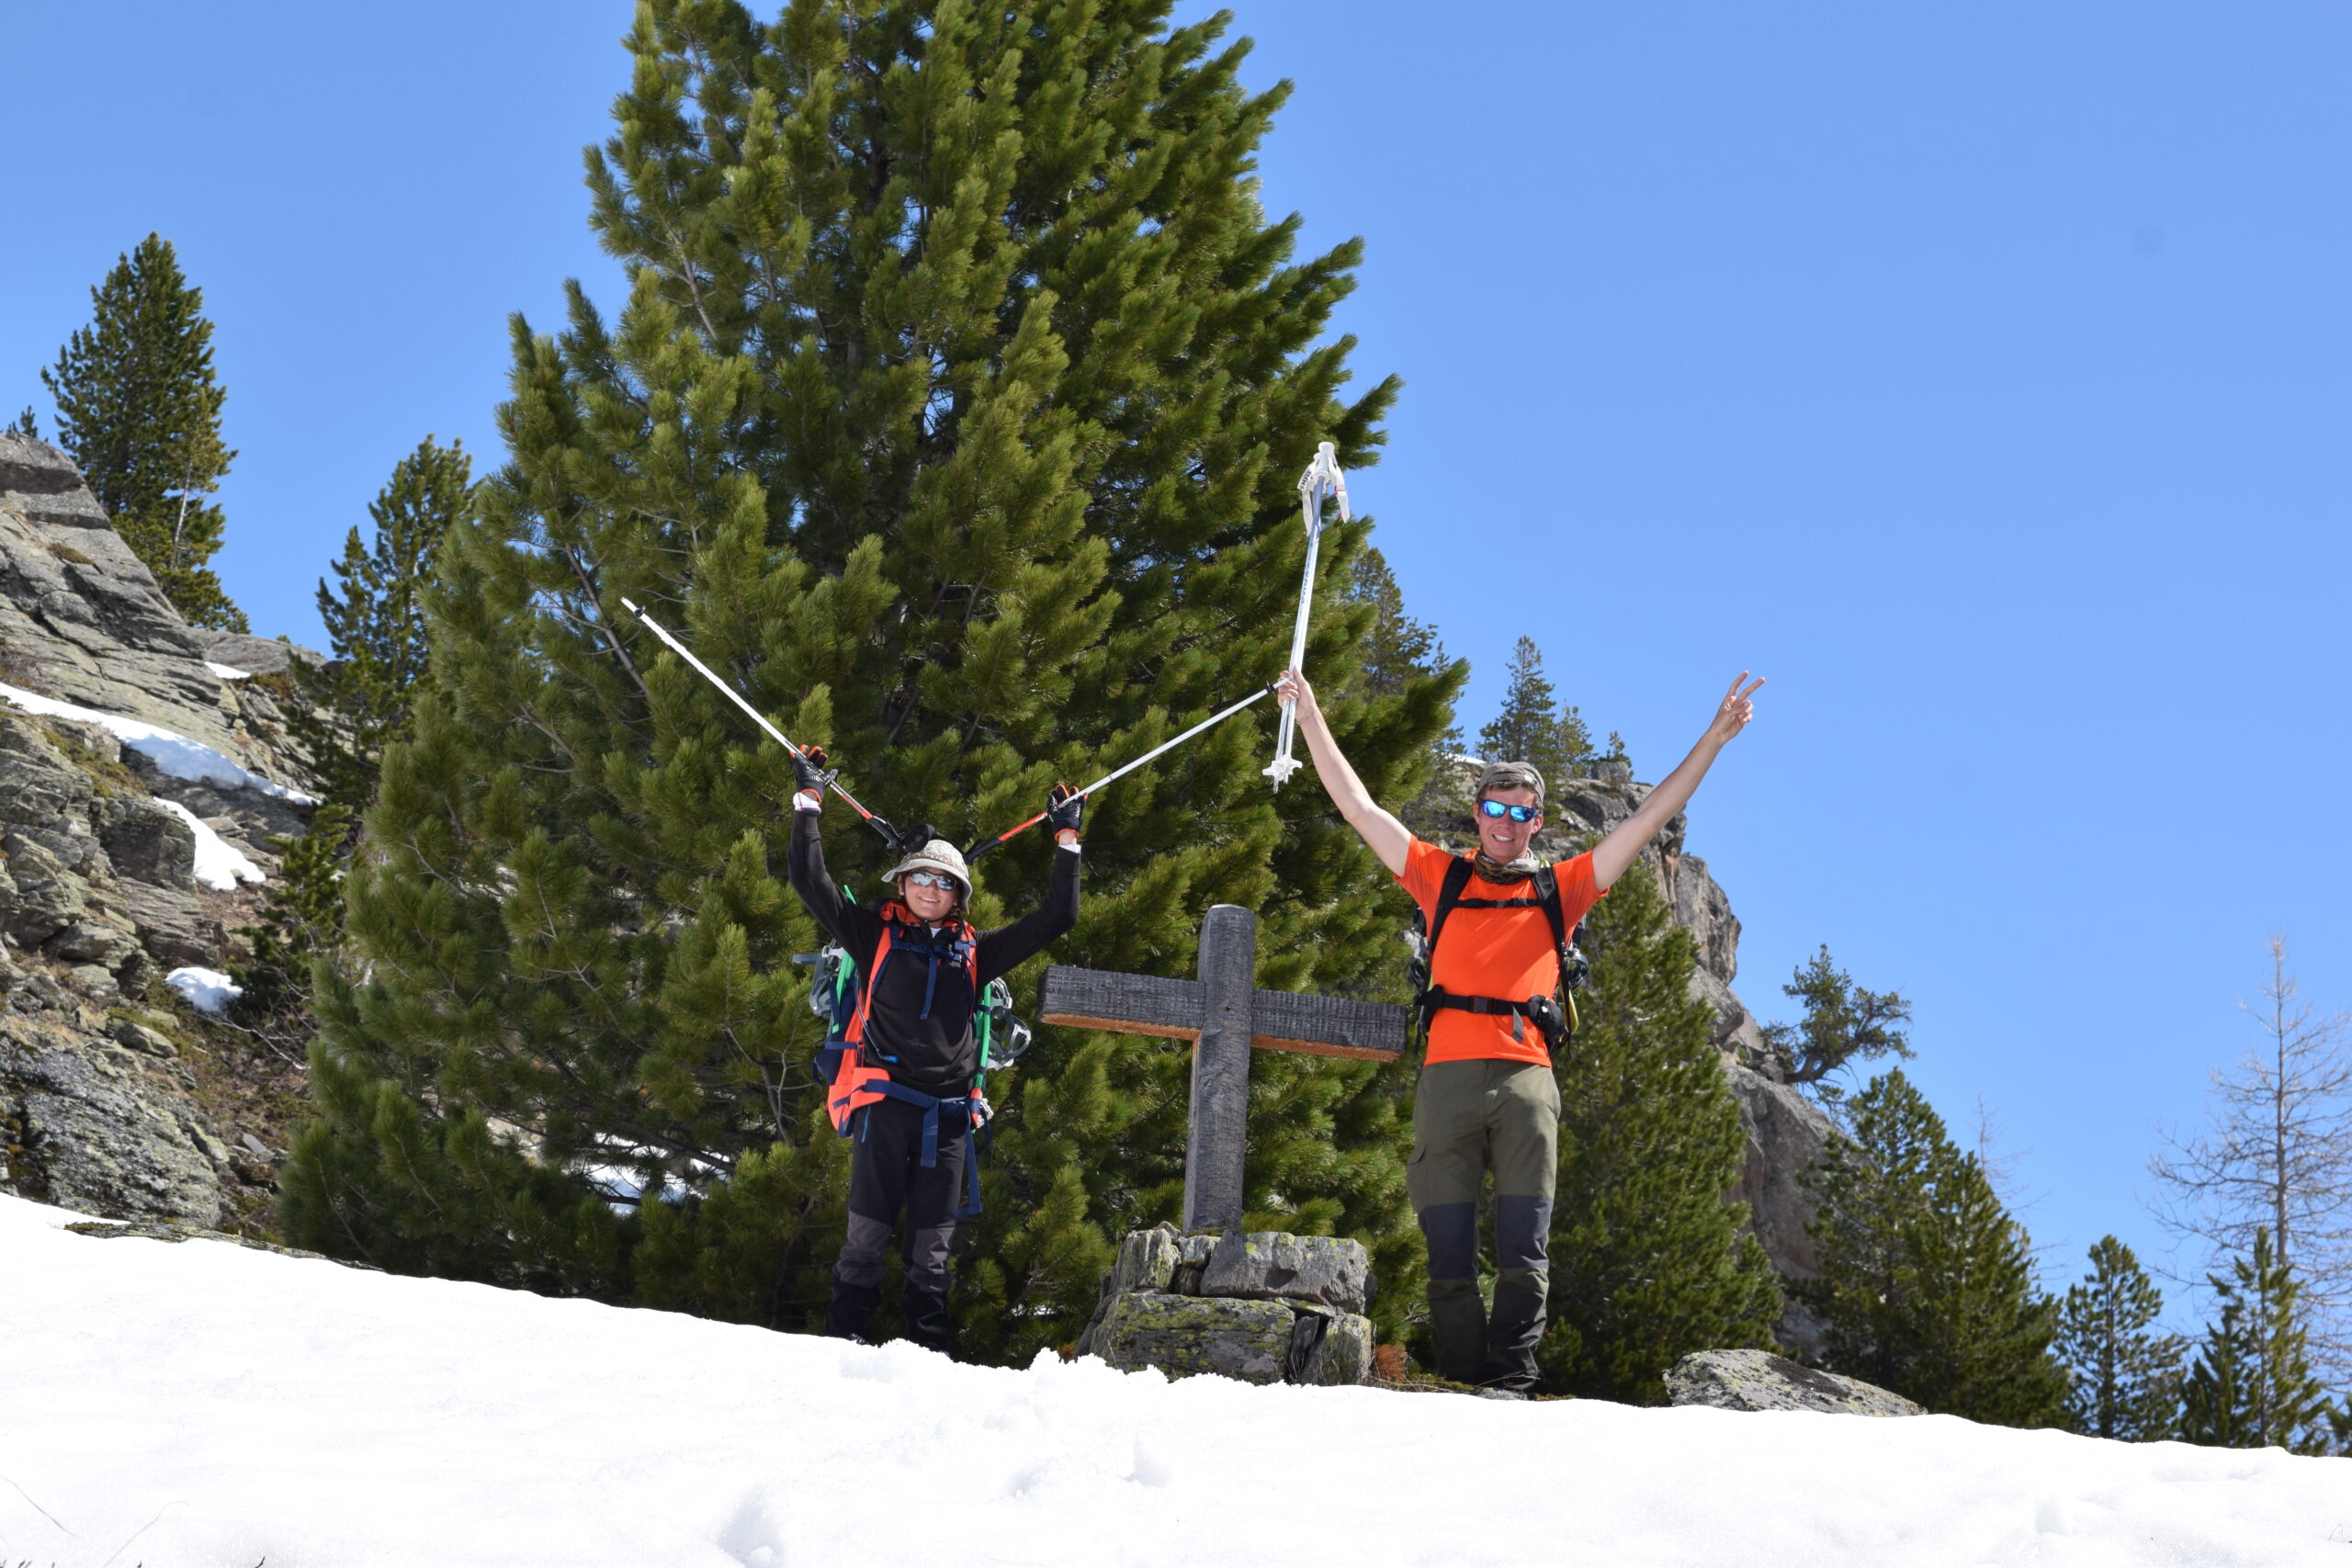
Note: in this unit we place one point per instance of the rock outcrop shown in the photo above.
(1758, 1379)
(99, 842)
(82, 619)
(1258, 1306)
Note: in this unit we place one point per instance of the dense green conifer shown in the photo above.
(1399, 651)
(955, 416)
(2123, 1375)
(1926, 1283)
(2252, 1384)
(344, 713)
(138, 408)
(1649, 1260)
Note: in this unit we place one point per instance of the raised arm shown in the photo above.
(1624, 843)
(1388, 838)
(854, 926)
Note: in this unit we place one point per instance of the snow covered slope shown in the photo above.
(201, 1404)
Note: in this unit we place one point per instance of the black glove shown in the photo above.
(809, 772)
(1064, 807)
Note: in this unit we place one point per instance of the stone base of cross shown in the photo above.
(1225, 1016)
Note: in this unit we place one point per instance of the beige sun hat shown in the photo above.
(936, 855)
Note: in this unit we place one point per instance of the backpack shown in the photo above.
(1555, 1016)
(858, 1076)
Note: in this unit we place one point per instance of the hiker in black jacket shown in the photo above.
(907, 1082)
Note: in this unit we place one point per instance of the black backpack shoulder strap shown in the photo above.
(1449, 894)
(1547, 893)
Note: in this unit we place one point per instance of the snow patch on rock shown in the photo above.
(228, 672)
(219, 863)
(175, 756)
(208, 990)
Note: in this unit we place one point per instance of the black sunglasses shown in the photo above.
(1498, 810)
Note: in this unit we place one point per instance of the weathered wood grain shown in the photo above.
(1218, 1130)
(1284, 1020)
(1332, 1026)
(1128, 1004)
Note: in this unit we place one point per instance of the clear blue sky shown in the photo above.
(1980, 373)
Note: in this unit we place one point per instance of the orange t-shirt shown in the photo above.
(1493, 952)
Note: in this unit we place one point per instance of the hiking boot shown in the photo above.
(924, 1317)
(851, 1314)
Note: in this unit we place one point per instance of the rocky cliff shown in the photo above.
(1785, 1129)
(135, 752)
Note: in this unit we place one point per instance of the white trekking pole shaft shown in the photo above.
(1166, 746)
(736, 697)
(1286, 731)
(1322, 479)
(976, 850)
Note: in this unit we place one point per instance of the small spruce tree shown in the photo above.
(2252, 1384)
(300, 923)
(1649, 1260)
(1532, 726)
(349, 710)
(139, 409)
(2123, 1375)
(27, 425)
(1926, 1283)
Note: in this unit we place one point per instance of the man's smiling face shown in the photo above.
(1503, 840)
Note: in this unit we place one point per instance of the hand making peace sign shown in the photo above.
(1735, 710)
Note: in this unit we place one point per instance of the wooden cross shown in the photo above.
(1224, 1014)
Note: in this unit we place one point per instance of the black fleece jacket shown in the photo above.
(935, 1048)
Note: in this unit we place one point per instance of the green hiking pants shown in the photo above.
(1470, 1118)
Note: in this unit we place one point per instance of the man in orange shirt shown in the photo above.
(1486, 1099)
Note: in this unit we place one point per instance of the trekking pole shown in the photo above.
(984, 845)
(732, 695)
(1322, 479)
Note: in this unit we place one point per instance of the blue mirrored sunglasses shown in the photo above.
(1498, 810)
(938, 879)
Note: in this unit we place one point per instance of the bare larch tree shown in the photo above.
(2276, 1151)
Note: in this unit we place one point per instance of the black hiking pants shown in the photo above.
(886, 1176)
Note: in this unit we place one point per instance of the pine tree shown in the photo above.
(300, 922)
(2252, 1385)
(1533, 726)
(1926, 1283)
(344, 714)
(2123, 1375)
(351, 709)
(139, 409)
(1843, 1024)
(1399, 651)
(27, 425)
(955, 416)
(1649, 1261)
